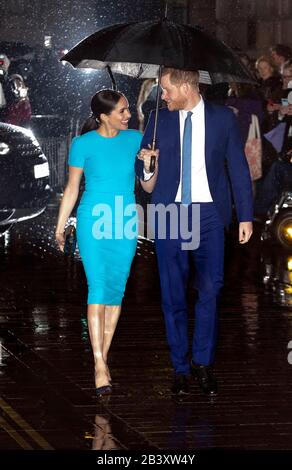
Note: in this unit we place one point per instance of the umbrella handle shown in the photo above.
(152, 164)
(153, 158)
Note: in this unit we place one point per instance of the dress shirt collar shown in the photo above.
(196, 110)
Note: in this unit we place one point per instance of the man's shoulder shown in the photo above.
(218, 108)
(219, 112)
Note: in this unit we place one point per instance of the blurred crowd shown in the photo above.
(264, 112)
(269, 102)
(273, 109)
(15, 106)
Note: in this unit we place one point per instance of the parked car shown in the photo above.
(24, 176)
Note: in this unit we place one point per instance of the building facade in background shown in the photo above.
(69, 21)
(250, 25)
(254, 25)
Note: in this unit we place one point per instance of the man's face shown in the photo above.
(265, 70)
(277, 59)
(287, 76)
(174, 95)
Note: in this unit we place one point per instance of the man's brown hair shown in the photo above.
(177, 77)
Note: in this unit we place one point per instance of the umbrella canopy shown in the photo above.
(138, 49)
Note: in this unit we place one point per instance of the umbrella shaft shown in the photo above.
(156, 108)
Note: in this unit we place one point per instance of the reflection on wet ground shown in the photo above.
(103, 438)
(47, 395)
(277, 275)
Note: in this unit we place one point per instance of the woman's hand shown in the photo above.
(60, 239)
(145, 155)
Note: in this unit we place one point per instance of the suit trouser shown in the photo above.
(173, 263)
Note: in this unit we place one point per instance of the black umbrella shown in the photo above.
(140, 49)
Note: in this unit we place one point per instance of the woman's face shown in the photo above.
(119, 118)
(265, 70)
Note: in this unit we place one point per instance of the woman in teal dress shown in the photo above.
(106, 217)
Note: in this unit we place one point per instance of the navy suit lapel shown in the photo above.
(209, 135)
(171, 136)
(176, 133)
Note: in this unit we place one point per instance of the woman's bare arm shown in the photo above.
(68, 202)
(145, 155)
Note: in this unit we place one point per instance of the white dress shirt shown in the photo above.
(200, 185)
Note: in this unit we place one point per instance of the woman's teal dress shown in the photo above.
(106, 217)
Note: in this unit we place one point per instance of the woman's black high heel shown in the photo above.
(104, 390)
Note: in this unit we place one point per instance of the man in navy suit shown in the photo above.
(199, 154)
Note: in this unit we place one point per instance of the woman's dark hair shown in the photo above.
(103, 102)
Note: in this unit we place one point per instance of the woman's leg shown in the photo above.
(112, 314)
(96, 327)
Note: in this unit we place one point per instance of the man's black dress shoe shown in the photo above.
(180, 385)
(206, 379)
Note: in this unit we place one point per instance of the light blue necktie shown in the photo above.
(186, 195)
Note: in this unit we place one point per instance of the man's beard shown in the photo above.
(177, 105)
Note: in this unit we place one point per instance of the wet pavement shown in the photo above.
(47, 398)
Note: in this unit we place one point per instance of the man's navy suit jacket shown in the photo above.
(226, 164)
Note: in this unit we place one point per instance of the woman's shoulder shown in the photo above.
(83, 139)
(87, 135)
